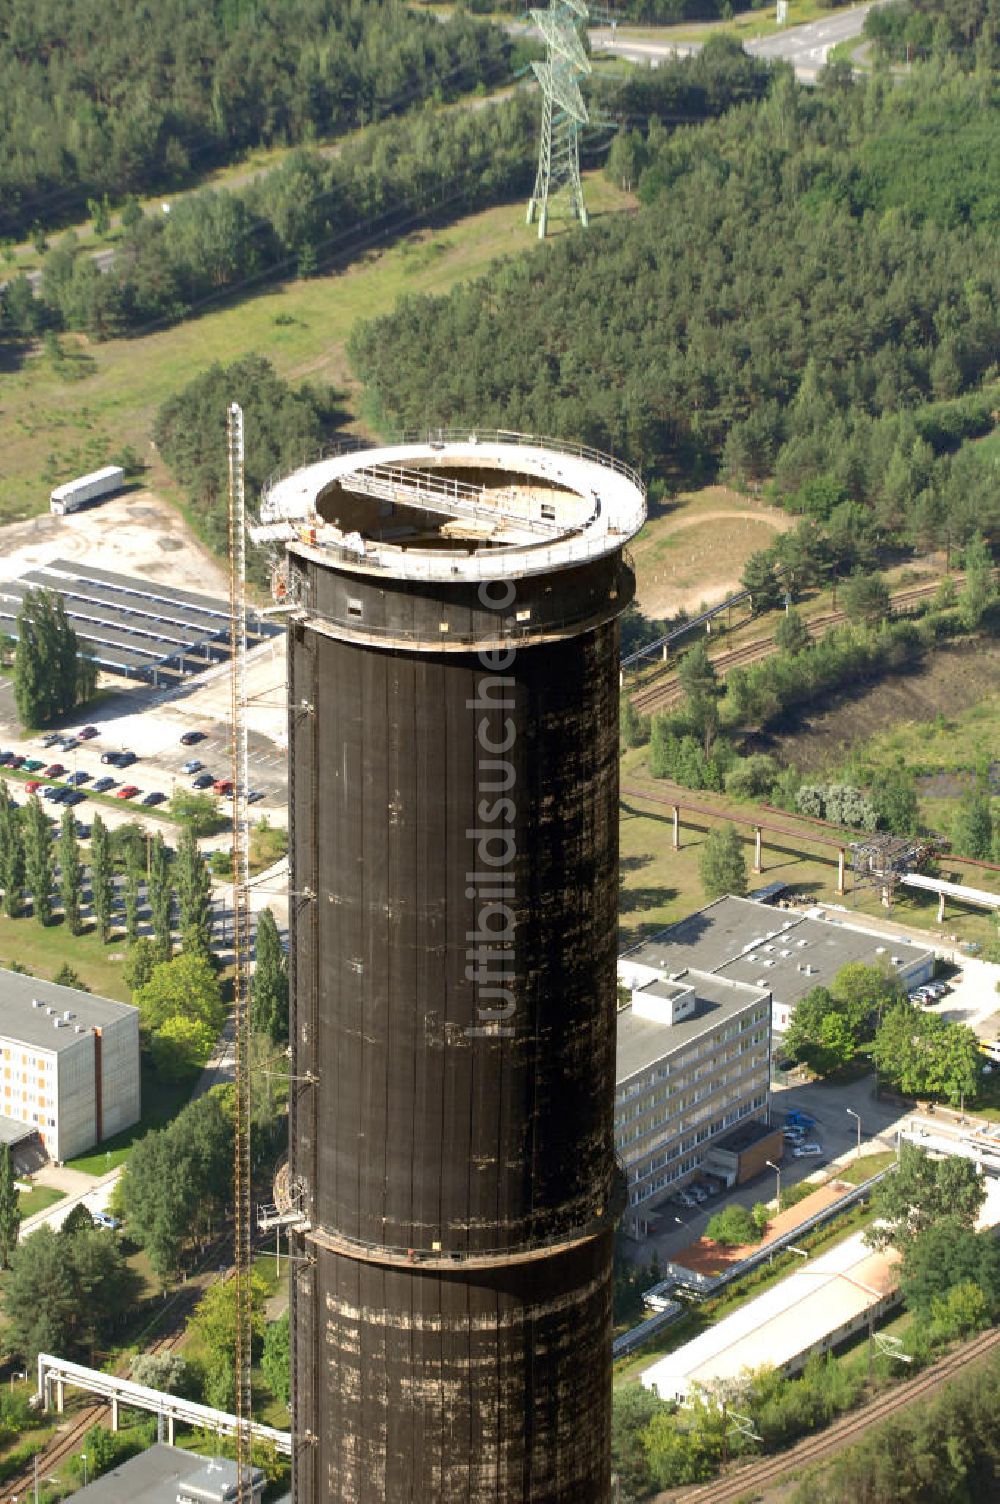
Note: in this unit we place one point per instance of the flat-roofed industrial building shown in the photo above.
(692, 1060)
(787, 952)
(69, 1063)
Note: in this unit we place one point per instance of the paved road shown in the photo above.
(805, 47)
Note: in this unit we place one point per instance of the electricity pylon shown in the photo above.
(563, 110)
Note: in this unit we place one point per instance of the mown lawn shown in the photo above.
(43, 949)
(660, 885)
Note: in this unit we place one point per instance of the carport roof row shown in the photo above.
(130, 626)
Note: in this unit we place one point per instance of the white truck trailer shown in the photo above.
(73, 493)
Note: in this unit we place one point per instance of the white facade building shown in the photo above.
(69, 1063)
(785, 951)
(693, 1060)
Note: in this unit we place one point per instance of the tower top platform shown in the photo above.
(475, 507)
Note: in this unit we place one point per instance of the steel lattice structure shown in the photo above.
(242, 1232)
(563, 111)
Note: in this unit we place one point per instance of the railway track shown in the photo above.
(664, 690)
(69, 1439)
(748, 1481)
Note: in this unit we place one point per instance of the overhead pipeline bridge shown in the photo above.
(54, 1374)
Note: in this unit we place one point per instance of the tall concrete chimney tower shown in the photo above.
(453, 760)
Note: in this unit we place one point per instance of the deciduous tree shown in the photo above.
(39, 861)
(101, 878)
(269, 988)
(10, 1212)
(722, 864)
(70, 872)
(922, 1192)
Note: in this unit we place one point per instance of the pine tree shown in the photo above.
(10, 1214)
(161, 899)
(38, 859)
(101, 878)
(194, 894)
(11, 855)
(269, 990)
(70, 872)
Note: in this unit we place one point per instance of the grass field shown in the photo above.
(968, 740)
(38, 1199)
(747, 26)
(44, 949)
(57, 414)
(660, 885)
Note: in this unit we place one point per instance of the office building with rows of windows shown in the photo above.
(69, 1064)
(693, 1056)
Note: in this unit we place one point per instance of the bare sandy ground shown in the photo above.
(132, 534)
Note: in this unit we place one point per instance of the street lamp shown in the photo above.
(83, 1456)
(857, 1116)
(777, 1170)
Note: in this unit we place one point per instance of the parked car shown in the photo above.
(56, 793)
(806, 1150)
(222, 785)
(937, 988)
(255, 796)
(78, 777)
(82, 830)
(17, 761)
(203, 781)
(126, 759)
(154, 798)
(5, 757)
(74, 796)
(32, 786)
(684, 1198)
(29, 764)
(127, 791)
(105, 1219)
(103, 784)
(52, 738)
(793, 1134)
(193, 765)
(55, 771)
(68, 743)
(88, 733)
(190, 737)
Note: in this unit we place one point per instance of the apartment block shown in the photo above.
(69, 1063)
(693, 1059)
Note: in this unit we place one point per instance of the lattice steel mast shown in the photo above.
(242, 1253)
(563, 111)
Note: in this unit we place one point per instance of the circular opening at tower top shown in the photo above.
(474, 505)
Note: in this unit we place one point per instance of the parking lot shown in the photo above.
(675, 1226)
(150, 724)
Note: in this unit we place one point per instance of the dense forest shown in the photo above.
(97, 100)
(965, 29)
(792, 301)
(319, 208)
(284, 427)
